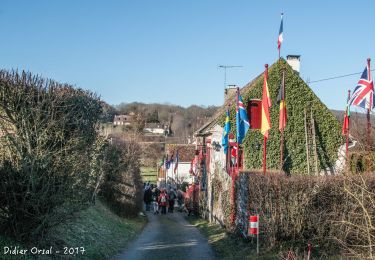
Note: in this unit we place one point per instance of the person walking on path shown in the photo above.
(172, 196)
(147, 197)
(155, 203)
(163, 201)
(180, 199)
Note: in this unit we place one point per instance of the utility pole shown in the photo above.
(225, 67)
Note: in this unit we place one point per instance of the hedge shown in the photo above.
(334, 214)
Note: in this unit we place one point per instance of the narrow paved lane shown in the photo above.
(169, 237)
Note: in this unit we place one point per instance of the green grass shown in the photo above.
(149, 174)
(98, 230)
(225, 245)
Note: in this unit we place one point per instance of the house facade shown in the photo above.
(155, 128)
(312, 138)
(124, 119)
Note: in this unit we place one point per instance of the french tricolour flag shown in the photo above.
(280, 39)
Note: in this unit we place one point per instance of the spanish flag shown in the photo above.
(281, 100)
(266, 104)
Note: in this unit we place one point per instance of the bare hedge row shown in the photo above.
(52, 160)
(334, 214)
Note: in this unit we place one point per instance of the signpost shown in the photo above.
(254, 228)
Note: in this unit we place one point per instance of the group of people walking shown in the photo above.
(159, 200)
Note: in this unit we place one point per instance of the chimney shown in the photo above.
(294, 61)
(230, 91)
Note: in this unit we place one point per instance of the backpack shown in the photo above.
(163, 199)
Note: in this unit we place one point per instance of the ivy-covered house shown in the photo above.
(313, 142)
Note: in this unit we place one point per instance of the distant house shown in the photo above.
(124, 119)
(155, 128)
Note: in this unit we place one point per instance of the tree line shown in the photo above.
(183, 121)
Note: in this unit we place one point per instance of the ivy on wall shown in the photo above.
(298, 97)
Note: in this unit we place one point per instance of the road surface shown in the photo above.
(168, 236)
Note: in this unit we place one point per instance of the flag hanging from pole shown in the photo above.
(280, 38)
(242, 120)
(266, 104)
(345, 125)
(363, 94)
(176, 163)
(225, 139)
(169, 162)
(166, 162)
(281, 100)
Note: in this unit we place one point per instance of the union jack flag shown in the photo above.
(363, 94)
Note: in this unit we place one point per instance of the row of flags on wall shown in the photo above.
(363, 96)
(242, 119)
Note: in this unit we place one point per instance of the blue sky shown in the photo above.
(169, 50)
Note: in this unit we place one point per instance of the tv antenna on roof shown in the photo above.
(225, 67)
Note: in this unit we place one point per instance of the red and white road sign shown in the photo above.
(253, 225)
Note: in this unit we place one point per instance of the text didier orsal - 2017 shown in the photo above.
(16, 250)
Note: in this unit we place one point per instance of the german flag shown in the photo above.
(281, 100)
(266, 104)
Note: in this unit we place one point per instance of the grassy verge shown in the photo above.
(227, 246)
(97, 230)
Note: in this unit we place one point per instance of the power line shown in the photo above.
(336, 77)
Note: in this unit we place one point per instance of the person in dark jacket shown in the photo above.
(172, 196)
(147, 198)
(180, 199)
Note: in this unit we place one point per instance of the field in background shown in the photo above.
(149, 174)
